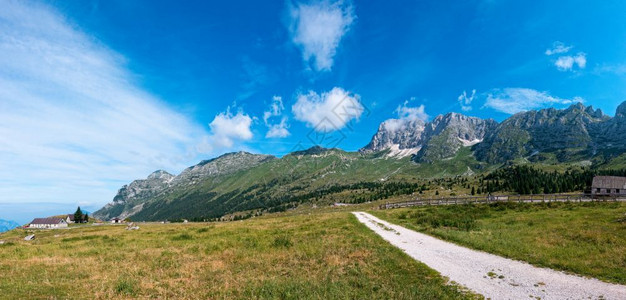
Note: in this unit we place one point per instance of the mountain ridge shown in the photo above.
(450, 144)
(131, 198)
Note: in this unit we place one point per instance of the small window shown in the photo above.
(597, 190)
(617, 191)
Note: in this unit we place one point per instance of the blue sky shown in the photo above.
(94, 94)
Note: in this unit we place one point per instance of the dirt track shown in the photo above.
(492, 276)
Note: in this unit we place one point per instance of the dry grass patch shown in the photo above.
(321, 256)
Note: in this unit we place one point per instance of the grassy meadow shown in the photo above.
(315, 256)
(583, 238)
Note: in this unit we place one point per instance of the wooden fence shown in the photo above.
(502, 198)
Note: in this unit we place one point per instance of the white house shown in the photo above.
(48, 223)
(69, 219)
(117, 220)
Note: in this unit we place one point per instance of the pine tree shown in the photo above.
(78, 216)
(86, 218)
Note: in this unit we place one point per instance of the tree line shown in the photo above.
(526, 180)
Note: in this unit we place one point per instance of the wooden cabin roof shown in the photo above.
(609, 182)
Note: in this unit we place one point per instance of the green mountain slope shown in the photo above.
(452, 145)
(318, 175)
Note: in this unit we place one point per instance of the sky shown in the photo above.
(95, 94)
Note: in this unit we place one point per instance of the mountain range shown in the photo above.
(7, 225)
(401, 151)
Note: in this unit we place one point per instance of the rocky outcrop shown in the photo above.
(397, 133)
(222, 165)
(611, 134)
(134, 194)
(567, 133)
(446, 134)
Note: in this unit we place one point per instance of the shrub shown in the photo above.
(125, 286)
(183, 237)
(282, 242)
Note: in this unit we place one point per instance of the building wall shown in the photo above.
(605, 191)
(49, 226)
(608, 185)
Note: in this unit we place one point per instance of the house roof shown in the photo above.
(52, 221)
(609, 182)
(71, 216)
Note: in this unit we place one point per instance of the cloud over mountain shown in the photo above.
(514, 100)
(227, 128)
(329, 111)
(406, 114)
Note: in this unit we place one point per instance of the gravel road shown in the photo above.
(492, 276)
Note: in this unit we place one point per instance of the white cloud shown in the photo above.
(617, 69)
(466, 101)
(581, 60)
(279, 130)
(566, 63)
(317, 28)
(74, 126)
(329, 111)
(514, 100)
(276, 109)
(406, 114)
(228, 128)
(558, 48)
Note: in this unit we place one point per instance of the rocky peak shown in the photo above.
(561, 131)
(224, 164)
(137, 192)
(446, 134)
(315, 150)
(465, 127)
(160, 174)
(396, 133)
(621, 110)
(155, 182)
(450, 132)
